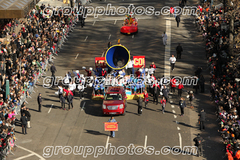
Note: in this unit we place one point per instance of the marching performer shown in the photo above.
(81, 90)
(146, 98)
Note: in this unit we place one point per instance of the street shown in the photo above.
(84, 124)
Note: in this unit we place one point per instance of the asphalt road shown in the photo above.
(83, 126)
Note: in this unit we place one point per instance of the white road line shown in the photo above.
(109, 36)
(178, 128)
(41, 158)
(171, 101)
(172, 106)
(94, 23)
(76, 56)
(23, 157)
(103, 54)
(86, 38)
(50, 109)
(145, 143)
(167, 49)
(175, 116)
(107, 142)
(173, 111)
(180, 140)
(83, 105)
(115, 22)
(132, 36)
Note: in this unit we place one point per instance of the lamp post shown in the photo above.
(237, 79)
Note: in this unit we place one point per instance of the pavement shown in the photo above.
(59, 134)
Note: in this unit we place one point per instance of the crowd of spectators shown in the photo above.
(23, 59)
(224, 68)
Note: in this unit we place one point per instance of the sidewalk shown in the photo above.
(193, 56)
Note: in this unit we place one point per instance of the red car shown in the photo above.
(130, 28)
(114, 102)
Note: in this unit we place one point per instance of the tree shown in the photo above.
(232, 14)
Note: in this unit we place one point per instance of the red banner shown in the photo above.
(138, 61)
(111, 126)
(100, 61)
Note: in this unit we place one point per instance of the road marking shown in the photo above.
(83, 106)
(132, 36)
(171, 101)
(178, 128)
(175, 116)
(94, 23)
(23, 157)
(50, 109)
(41, 158)
(167, 49)
(145, 143)
(173, 111)
(76, 56)
(107, 142)
(115, 22)
(86, 38)
(172, 106)
(180, 140)
(109, 36)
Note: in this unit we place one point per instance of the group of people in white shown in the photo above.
(135, 81)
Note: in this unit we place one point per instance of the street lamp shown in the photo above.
(237, 79)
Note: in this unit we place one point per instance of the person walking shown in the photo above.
(177, 20)
(202, 119)
(60, 91)
(112, 133)
(190, 97)
(109, 44)
(140, 106)
(165, 92)
(201, 83)
(39, 99)
(129, 67)
(173, 84)
(23, 121)
(171, 11)
(53, 70)
(182, 105)
(172, 62)
(163, 102)
(63, 101)
(179, 50)
(28, 115)
(180, 88)
(164, 36)
(146, 98)
(198, 143)
(81, 90)
(70, 101)
(156, 92)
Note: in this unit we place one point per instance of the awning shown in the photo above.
(15, 8)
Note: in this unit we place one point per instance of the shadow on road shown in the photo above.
(95, 132)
